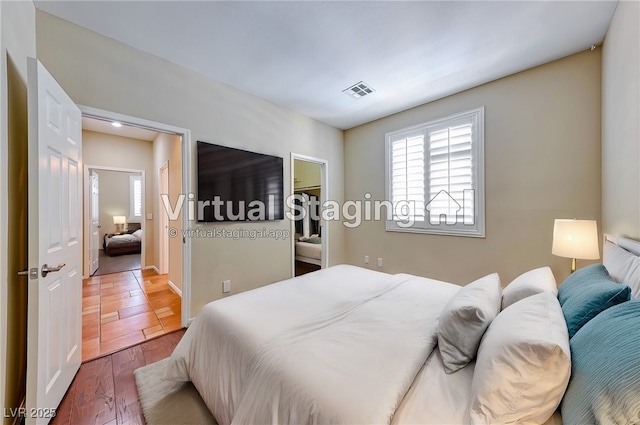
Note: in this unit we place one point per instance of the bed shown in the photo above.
(309, 250)
(129, 242)
(351, 345)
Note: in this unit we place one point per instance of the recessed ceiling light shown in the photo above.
(358, 90)
(116, 124)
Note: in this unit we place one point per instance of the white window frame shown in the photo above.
(132, 216)
(404, 224)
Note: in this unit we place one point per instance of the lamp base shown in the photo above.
(573, 265)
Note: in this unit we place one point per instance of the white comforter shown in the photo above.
(342, 345)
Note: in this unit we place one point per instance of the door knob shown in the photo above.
(46, 269)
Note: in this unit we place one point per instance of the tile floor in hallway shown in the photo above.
(123, 309)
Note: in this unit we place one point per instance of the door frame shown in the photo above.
(86, 258)
(163, 237)
(4, 227)
(89, 201)
(324, 197)
(187, 186)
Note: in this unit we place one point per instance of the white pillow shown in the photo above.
(623, 266)
(465, 318)
(138, 234)
(523, 364)
(530, 283)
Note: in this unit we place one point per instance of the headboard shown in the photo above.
(622, 260)
(628, 244)
(132, 227)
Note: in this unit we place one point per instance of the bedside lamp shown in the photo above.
(575, 239)
(119, 221)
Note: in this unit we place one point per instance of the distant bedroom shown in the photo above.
(120, 208)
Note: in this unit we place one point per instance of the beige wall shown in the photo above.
(108, 150)
(99, 72)
(542, 161)
(167, 150)
(17, 42)
(114, 199)
(621, 123)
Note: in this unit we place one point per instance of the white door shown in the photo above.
(54, 342)
(94, 213)
(164, 222)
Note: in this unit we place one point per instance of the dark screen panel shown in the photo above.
(237, 176)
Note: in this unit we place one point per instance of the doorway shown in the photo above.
(310, 192)
(186, 186)
(115, 228)
(129, 306)
(55, 201)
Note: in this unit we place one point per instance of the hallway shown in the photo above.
(123, 309)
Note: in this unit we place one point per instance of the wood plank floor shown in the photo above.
(304, 268)
(104, 390)
(126, 308)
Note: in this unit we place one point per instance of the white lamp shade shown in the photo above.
(119, 219)
(576, 239)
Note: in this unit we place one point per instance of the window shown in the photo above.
(135, 197)
(435, 176)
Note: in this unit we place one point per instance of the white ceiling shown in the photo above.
(302, 54)
(101, 126)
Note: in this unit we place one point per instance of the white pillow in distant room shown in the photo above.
(464, 320)
(138, 234)
(530, 283)
(523, 364)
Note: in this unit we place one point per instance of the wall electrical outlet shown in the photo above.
(379, 262)
(226, 286)
(366, 259)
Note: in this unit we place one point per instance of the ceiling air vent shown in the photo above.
(358, 90)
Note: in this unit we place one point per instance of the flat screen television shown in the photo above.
(238, 185)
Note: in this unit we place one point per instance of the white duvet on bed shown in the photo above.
(439, 398)
(342, 345)
(436, 397)
(122, 240)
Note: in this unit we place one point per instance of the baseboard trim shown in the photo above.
(174, 288)
(154, 268)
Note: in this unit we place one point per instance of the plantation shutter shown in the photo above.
(451, 170)
(136, 196)
(407, 175)
(435, 176)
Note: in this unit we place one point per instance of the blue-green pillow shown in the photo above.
(605, 371)
(587, 292)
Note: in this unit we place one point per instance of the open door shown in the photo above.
(94, 214)
(54, 327)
